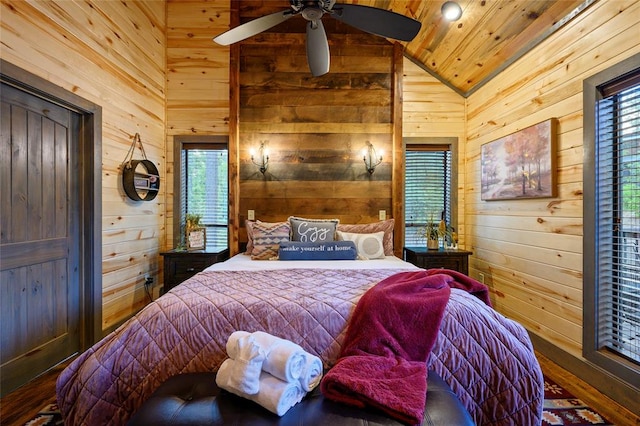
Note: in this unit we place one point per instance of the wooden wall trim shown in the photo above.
(92, 201)
(452, 143)
(178, 144)
(397, 186)
(234, 135)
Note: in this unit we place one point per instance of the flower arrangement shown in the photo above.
(196, 236)
(192, 221)
(434, 233)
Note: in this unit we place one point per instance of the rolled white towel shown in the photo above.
(311, 372)
(285, 359)
(232, 343)
(249, 358)
(223, 374)
(275, 395)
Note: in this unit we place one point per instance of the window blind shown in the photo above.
(205, 191)
(427, 189)
(618, 218)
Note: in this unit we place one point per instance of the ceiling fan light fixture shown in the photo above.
(451, 11)
(372, 20)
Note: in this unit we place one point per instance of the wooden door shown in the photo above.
(39, 236)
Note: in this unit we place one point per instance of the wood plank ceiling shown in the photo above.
(490, 35)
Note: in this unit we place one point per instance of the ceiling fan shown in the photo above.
(372, 20)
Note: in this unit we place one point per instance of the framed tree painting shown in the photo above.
(521, 165)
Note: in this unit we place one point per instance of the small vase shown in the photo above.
(432, 244)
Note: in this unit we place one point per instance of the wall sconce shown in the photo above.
(371, 158)
(263, 158)
(451, 11)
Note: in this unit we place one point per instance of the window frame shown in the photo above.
(181, 142)
(611, 362)
(429, 143)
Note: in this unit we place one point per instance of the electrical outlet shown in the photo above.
(382, 214)
(481, 277)
(148, 280)
(251, 215)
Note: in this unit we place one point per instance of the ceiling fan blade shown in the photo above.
(376, 21)
(317, 48)
(251, 28)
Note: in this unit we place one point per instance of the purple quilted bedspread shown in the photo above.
(487, 359)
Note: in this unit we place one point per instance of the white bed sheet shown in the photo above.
(242, 262)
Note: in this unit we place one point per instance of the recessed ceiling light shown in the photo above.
(451, 11)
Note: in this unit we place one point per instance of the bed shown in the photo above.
(486, 359)
(301, 280)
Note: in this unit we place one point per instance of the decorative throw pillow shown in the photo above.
(249, 225)
(370, 246)
(330, 250)
(267, 238)
(312, 230)
(369, 228)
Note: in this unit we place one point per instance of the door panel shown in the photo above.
(39, 237)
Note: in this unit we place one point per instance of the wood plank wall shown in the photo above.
(431, 110)
(314, 128)
(530, 251)
(112, 54)
(197, 80)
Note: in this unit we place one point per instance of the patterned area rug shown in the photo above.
(562, 408)
(48, 416)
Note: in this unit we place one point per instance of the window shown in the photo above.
(203, 189)
(612, 220)
(428, 184)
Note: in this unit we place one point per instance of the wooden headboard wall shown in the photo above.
(315, 127)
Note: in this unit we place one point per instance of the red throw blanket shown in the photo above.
(389, 338)
(464, 282)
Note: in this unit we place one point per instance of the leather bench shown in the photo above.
(195, 399)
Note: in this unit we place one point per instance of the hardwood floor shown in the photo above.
(23, 404)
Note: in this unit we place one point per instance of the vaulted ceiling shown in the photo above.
(464, 54)
(490, 34)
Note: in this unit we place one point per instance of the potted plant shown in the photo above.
(430, 232)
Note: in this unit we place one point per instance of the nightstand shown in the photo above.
(180, 265)
(457, 260)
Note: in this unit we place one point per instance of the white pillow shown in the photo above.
(370, 246)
